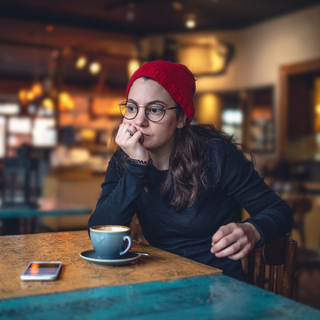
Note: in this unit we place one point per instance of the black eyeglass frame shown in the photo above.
(164, 109)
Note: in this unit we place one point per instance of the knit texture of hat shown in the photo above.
(175, 78)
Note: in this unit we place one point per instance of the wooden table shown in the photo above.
(160, 286)
(77, 273)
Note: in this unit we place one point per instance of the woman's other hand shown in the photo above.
(234, 240)
(130, 140)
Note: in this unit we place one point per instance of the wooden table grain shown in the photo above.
(77, 273)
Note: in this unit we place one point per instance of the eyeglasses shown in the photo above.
(153, 111)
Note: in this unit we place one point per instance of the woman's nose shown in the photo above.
(141, 119)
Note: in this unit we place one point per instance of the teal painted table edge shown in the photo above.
(27, 213)
(203, 297)
(47, 207)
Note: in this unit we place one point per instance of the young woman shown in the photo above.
(185, 182)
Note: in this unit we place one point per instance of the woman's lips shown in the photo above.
(143, 137)
(144, 134)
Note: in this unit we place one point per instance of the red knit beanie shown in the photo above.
(176, 78)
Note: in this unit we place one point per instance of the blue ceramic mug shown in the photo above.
(110, 241)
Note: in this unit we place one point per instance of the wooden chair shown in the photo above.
(272, 267)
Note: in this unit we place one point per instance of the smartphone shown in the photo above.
(42, 270)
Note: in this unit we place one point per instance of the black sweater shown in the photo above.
(188, 233)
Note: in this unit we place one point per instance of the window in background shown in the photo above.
(232, 123)
(260, 119)
(44, 132)
(20, 125)
(261, 129)
(9, 108)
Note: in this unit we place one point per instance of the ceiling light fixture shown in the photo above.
(48, 104)
(190, 21)
(37, 90)
(81, 62)
(95, 67)
(30, 95)
(65, 101)
(23, 96)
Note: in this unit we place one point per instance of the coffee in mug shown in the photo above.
(110, 241)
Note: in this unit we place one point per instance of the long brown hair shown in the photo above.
(188, 165)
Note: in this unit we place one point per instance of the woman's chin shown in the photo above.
(146, 145)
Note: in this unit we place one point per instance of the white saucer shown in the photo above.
(91, 255)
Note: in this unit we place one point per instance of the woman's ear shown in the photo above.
(182, 121)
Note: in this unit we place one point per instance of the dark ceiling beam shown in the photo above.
(73, 50)
(25, 13)
(121, 3)
(10, 86)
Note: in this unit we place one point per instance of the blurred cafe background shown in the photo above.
(64, 66)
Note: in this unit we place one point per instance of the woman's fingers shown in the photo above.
(129, 139)
(234, 240)
(223, 231)
(130, 132)
(241, 253)
(125, 132)
(229, 240)
(225, 236)
(235, 251)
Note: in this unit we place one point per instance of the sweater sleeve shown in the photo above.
(120, 191)
(271, 216)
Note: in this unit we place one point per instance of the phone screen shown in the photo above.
(40, 270)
